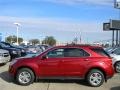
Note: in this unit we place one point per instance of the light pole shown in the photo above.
(117, 6)
(17, 28)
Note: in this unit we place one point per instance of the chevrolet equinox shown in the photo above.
(87, 62)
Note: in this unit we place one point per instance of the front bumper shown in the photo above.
(4, 59)
(11, 71)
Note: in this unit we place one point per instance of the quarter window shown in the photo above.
(100, 51)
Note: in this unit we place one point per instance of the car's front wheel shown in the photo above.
(25, 76)
(95, 78)
(117, 67)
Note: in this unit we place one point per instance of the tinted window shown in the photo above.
(56, 53)
(116, 51)
(100, 51)
(74, 52)
(4, 46)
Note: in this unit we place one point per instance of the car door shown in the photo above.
(75, 61)
(51, 65)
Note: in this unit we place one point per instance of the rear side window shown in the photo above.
(74, 52)
(100, 51)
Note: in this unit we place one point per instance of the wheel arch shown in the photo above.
(115, 65)
(116, 62)
(97, 68)
(28, 67)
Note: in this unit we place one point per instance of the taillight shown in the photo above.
(110, 61)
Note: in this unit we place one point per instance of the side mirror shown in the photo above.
(44, 57)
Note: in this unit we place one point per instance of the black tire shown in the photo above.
(28, 72)
(116, 65)
(2, 64)
(91, 81)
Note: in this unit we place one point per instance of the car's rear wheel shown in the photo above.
(95, 78)
(25, 76)
(117, 67)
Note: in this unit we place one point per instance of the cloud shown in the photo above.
(72, 2)
(68, 2)
(52, 24)
(62, 29)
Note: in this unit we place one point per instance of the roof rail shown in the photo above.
(78, 45)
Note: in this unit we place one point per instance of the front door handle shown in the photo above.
(86, 59)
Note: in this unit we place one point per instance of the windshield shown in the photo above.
(35, 54)
(30, 55)
(4, 46)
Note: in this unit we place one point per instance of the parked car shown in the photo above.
(33, 49)
(23, 50)
(4, 56)
(87, 62)
(13, 51)
(44, 47)
(115, 53)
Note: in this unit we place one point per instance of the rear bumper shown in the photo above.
(110, 73)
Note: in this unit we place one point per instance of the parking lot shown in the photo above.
(6, 83)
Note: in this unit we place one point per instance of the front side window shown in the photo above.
(56, 53)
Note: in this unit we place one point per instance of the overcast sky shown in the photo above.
(63, 19)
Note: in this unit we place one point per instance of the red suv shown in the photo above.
(87, 62)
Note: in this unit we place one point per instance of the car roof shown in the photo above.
(81, 45)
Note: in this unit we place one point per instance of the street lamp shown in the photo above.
(17, 28)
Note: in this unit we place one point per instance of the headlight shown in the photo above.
(13, 62)
(14, 52)
(1, 54)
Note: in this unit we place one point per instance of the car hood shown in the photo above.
(25, 57)
(3, 51)
(117, 57)
(17, 47)
(12, 49)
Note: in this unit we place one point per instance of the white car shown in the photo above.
(4, 56)
(115, 54)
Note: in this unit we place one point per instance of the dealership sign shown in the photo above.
(112, 25)
(115, 24)
(106, 26)
(117, 4)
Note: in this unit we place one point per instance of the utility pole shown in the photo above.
(117, 6)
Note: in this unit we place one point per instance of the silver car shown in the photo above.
(115, 54)
(4, 56)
